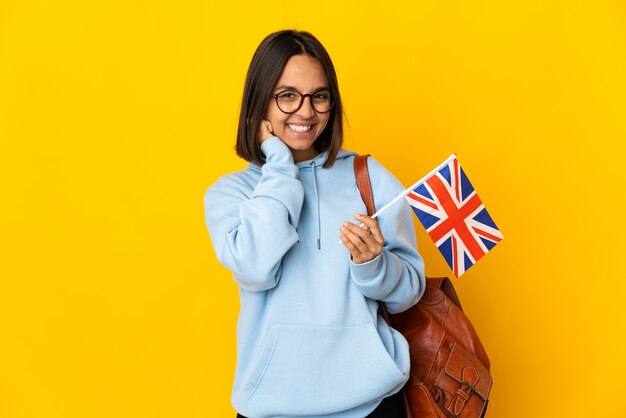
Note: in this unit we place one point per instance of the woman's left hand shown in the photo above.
(364, 243)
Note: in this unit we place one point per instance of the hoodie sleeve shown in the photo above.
(396, 276)
(252, 231)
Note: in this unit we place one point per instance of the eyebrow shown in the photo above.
(284, 87)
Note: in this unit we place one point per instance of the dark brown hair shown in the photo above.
(265, 69)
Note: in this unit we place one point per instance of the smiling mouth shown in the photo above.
(299, 128)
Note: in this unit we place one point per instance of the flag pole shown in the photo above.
(406, 191)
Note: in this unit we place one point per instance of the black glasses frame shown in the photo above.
(302, 97)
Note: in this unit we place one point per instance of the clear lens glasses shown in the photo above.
(290, 101)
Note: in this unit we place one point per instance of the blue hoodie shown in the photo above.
(309, 340)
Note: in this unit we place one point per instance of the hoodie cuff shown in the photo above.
(365, 272)
(276, 151)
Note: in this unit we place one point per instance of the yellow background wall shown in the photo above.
(116, 115)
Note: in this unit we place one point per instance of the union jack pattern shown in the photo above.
(454, 216)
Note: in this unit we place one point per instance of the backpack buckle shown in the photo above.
(469, 386)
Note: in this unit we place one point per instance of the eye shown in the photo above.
(287, 95)
(321, 96)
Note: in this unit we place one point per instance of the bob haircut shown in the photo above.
(265, 69)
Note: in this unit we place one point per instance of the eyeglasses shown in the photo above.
(290, 101)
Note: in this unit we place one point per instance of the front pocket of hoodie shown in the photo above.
(316, 370)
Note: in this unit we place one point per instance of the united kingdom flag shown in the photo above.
(454, 216)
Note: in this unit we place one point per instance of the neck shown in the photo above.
(299, 156)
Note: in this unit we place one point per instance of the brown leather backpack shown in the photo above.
(449, 374)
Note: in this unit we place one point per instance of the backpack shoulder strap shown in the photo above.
(363, 182)
(365, 187)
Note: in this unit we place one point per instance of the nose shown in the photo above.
(306, 110)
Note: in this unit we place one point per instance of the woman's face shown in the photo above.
(299, 130)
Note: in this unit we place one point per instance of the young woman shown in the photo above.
(310, 341)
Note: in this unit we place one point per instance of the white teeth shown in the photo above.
(300, 128)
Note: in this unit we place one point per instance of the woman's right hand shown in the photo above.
(265, 131)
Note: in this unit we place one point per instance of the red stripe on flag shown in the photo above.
(456, 217)
(486, 234)
(423, 201)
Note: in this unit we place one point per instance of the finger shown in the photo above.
(362, 232)
(354, 251)
(374, 240)
(358, 236)
(265, 130)
(372, 224)
(359, 251)
(355, 254)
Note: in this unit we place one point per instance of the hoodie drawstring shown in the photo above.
(317, 208)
